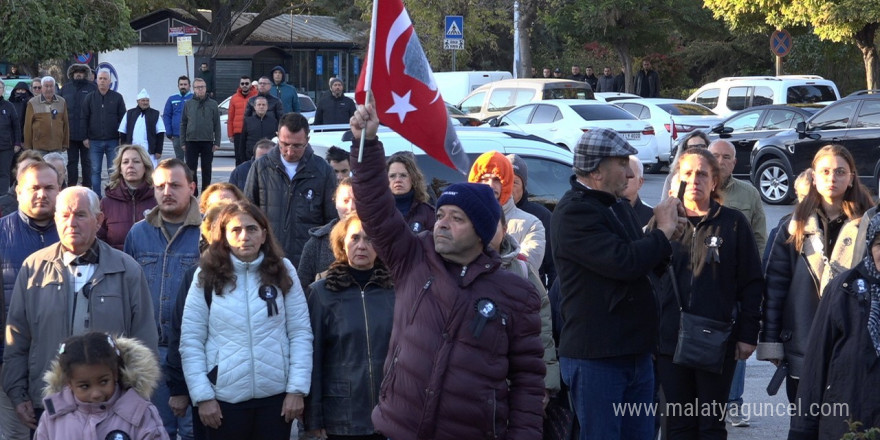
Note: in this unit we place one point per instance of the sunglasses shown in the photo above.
(38, 87)
(244, 83)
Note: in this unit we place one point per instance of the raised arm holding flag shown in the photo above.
(397, 75)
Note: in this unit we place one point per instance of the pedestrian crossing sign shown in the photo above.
(454, 27)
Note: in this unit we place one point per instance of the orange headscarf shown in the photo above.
(493, 162)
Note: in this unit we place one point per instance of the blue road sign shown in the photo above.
(454, 27)
(780, 43)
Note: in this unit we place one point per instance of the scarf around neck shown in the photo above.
(871, 270)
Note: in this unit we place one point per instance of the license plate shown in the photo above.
(632, 136)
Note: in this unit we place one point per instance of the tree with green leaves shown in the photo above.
(35, 30)
(851, 21)
(626, 25)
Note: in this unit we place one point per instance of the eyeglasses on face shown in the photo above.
(243, 83)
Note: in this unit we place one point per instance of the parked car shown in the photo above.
(306, 107)
(671, 119)
(549, 165)
(563, 121)
(744, 128)
(461, 118)
(454, 86)
(497, 97)
(853, 122)
(729, 95)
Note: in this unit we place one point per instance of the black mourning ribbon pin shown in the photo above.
(269, 294)
(486, 311)
(713, 243)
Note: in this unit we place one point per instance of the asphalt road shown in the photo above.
(766, 423)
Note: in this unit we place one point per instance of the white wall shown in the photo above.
(155, 68)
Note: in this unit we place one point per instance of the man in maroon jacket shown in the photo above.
(465, 356)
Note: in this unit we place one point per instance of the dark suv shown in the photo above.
(853, 122)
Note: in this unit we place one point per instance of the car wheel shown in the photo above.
(774, 183)
(655, 168)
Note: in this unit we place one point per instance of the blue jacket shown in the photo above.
(286, 93)
(165, 260)
(238, 177)
(19, 238)
(173, 112)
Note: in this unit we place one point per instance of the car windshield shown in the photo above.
(601, 112)
(679, 109)
(569, 92)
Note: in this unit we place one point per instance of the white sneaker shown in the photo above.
(735, 418)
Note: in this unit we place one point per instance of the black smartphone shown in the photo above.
(681, 187)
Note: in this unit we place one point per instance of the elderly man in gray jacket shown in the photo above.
(77, 285)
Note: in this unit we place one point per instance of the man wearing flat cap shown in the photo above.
(334, 107)
(465, 359)
(143, 126)
(609, 315)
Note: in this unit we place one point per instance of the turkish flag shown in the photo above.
(407, 98)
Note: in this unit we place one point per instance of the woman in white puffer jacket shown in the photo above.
(246, 338)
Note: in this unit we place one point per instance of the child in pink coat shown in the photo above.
(99, 387)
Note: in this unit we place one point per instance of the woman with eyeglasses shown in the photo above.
(246, 339)
(817, 244)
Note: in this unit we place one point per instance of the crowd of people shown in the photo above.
(338, 292)
(646, 82)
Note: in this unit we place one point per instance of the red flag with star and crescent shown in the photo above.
(407, 98)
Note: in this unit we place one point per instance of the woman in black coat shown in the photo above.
(410, 192)
(717, 275)
(351, 309)
(809, 251)
(841, 375)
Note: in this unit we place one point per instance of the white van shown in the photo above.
(456, 85)
(498, 97)
(730, 95)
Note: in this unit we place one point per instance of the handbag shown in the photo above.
(702, 342)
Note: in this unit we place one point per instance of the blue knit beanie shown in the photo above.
(478, 201)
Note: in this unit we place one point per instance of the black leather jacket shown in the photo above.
(351, 329)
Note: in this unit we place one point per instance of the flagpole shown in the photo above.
(368, 80)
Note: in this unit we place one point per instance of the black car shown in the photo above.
(744, 128)
(853, 122)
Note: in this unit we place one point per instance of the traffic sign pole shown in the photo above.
(454, 39)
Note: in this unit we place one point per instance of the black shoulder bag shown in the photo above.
(702, 342)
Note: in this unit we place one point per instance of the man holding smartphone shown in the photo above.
(609, 314)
